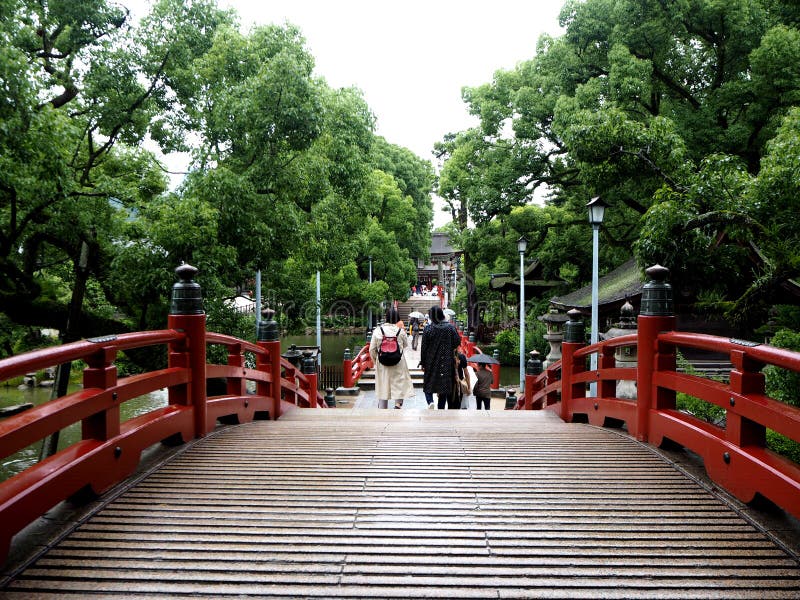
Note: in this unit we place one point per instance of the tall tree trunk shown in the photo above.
(473, 314)
(71, 333)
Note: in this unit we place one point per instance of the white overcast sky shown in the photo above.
(409, 57)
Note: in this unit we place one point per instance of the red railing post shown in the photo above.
(606, 388)
(186, 314)
(574, 339)
(656, 315)
(496, 370)
(290, 375)
(101, 373)
(533, 368)
(552, 374)
(347, 367)
(308, 367)
(746, 378)
(269, 339)
(237, 386)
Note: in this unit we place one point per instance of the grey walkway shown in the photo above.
(414, 504)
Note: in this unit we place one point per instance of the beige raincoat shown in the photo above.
(391, 383)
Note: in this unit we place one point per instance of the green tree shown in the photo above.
(414, 178)
(666, 111)
(84, 90)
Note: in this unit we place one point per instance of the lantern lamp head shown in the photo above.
(596, 210)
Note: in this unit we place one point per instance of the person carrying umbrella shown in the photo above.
(483, 386)
(485, 377)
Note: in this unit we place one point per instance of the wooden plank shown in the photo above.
(403, 504)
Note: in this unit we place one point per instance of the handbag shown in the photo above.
(462, 384)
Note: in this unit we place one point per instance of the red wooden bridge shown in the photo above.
(249, 494)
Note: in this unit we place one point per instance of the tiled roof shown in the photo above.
(625, 281)
(440, 244)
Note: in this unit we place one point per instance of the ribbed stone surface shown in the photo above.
(415, 504)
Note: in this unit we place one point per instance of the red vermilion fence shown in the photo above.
(735, 454)
(109, 450)
(354, 367)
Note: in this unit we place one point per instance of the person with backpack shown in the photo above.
(392, 377)
(439, 340)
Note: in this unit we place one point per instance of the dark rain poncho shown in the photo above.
(436, 355)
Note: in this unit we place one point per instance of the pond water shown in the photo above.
(11, 396)
(333, 346)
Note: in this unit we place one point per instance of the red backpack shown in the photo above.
(389, 352)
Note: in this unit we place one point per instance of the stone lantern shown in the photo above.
(624, 356)
(554, 320)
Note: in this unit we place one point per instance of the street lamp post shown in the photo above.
(369, 325)
(596, 212)
(522, 245)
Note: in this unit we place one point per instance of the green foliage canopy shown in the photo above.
(678, 114)
(286, 173)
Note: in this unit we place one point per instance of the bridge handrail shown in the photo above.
(762, 353)
(354, 367)
(37, 360)
(110, 449)
(735, 454)
(230, 342)
(613, 343)
(307, 387)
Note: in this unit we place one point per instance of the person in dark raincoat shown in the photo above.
(439, 340)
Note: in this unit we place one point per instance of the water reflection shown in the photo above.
(333, 346)
(27, 457)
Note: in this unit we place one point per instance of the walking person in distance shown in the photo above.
(386, 349)
(416, 331)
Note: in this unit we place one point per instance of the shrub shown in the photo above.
(507, 341)
(711, 413)
(784, 446)
(784, 385)
(781, 384)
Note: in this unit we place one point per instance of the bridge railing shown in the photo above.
(354, 367)
(735, 453)
(109, 449)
